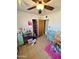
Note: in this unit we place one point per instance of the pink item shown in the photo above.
(51, 52)
(29, 23)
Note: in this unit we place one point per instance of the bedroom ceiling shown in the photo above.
(21, 6)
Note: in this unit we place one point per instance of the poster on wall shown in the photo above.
(47, 44)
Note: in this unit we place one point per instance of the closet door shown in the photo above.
(41, 27)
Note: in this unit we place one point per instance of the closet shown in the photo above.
(39, 26)
(35, 27)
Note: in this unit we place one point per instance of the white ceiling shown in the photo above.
(29, 3)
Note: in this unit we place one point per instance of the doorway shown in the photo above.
(39, 27)
(35, 31)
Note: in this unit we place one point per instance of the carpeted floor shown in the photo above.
(36, 51)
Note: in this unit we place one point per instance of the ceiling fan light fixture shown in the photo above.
(40, 7)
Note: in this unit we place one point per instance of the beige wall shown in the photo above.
(23, 18)
(55, 20)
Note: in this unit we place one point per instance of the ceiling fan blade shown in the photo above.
(46, 1)
(48, 7)
(31, 8)
(35, 1)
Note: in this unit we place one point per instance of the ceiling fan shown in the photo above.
(40, 5)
